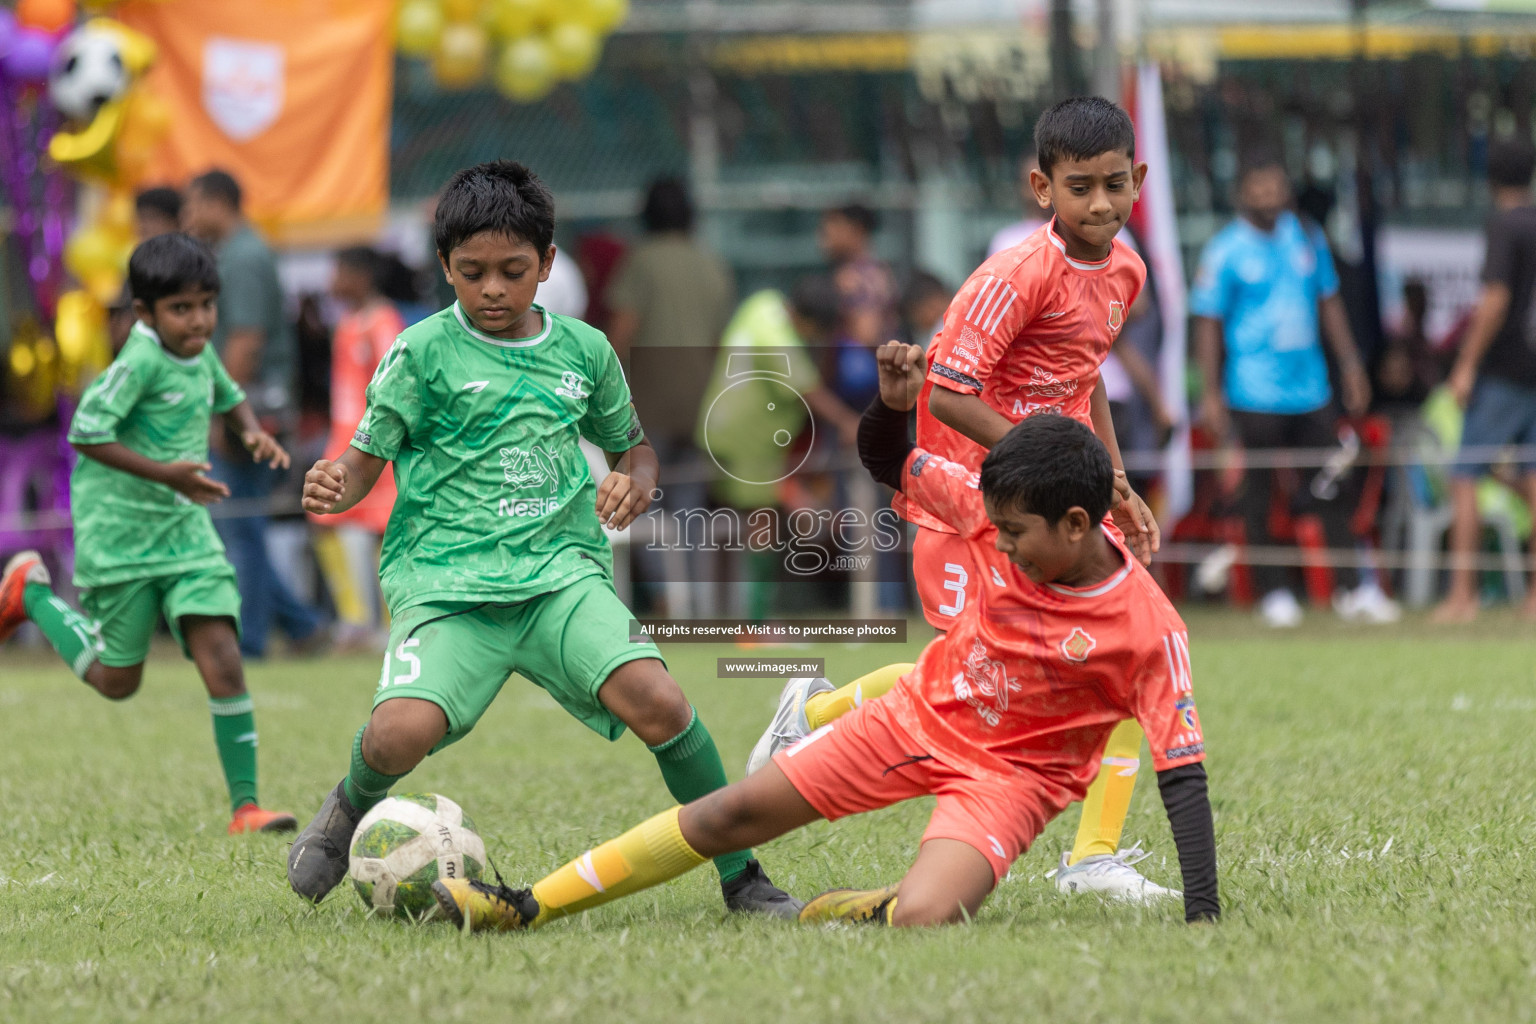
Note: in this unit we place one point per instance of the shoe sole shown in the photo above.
(285, 823)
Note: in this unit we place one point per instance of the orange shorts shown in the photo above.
(945, 577)
(867, 760)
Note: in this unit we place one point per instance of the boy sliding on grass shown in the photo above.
(1003, 719)
(494, 558)
(144, 545)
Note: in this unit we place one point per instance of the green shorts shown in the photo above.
(126, 613)
(458, 654)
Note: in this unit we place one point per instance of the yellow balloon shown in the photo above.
(80, 326)
(600, 16)
(462, 10)
(575, 49)
(418, 26)
(526, 70)
(91, 250)
(461, 54)
(513, 19)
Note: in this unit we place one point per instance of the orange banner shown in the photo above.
(292, 97)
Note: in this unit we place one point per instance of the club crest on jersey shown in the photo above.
(1078, 645)
(1116, 315)
(535, 468)
(1047, 385)
(1186, 708)
(572, 386)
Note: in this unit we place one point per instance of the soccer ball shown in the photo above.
(87, 73)
(406, 843)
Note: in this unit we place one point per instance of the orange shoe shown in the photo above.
(24, 568)
(250, 818)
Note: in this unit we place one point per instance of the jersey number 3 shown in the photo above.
(955, 579)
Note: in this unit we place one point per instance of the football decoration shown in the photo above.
(87, 73)
(406, 843)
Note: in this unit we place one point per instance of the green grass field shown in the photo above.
(1375, 814)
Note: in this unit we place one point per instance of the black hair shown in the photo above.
(397, 281)
(171, 263)
(1049, 463)
(858, 214)
(1259, 158)
(1511, 162)
(163, 201)
(363, 259)
(500, 196)
(220, 185)
(923, 284)
(817, 299)
(668, 206)
(1080, 129)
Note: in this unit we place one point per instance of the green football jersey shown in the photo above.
(495, 501)
(159, 405)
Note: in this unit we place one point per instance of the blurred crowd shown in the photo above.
(1326, 467)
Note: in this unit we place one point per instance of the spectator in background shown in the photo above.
(156, 211)
(868, 293)
(1265, 297)
(669, 293)
(1406, 369)
(1494, 377)
(923, 303)
(564, 291)
(347, 544)
(257, 346)
(751, 435)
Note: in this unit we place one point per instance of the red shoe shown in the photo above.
(250, 818)
(24, 568)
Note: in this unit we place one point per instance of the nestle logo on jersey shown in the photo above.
(535, 468)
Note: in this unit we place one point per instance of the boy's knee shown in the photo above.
(648, 700)
(397, 739)
(115, 682)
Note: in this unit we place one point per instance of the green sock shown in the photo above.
(366, 786)
(691, 766)
(70, 633)
(234, 733)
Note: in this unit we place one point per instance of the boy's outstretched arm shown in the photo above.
(335, 486)
(625, 494)
(1187, 801)
(262, 445)
(183, 477)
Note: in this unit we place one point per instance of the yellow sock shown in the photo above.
(828, 707)
(351, 608)
(648, 854)
(1109, 798)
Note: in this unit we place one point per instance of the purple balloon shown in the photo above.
(7, 29)
(27, 59)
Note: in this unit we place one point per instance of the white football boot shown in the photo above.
(789, 725)
(1280, 610)
(1111, 875)
(1367, 603)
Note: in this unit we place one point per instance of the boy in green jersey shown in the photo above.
(145, 546)
(494, 559)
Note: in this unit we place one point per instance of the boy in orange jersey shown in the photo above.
(1003, 719)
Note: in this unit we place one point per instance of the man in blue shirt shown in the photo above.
(1266, 296)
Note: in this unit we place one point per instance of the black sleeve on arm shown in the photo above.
(1188, 804)
(883, 442)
